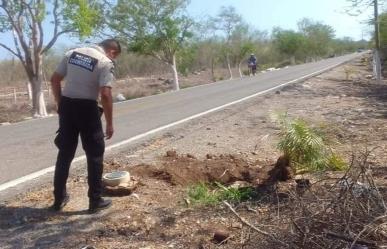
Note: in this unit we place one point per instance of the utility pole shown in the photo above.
(377, 66)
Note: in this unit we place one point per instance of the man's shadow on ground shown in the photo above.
(19, 224)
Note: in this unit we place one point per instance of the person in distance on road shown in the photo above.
(252, 64)
(88, 72)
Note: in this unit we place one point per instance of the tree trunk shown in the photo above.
(213, 69)
(292, 60)
(377, 66)
(229, 66)
(29, 90)
(175, 75)
(239, 69)
(38, 103)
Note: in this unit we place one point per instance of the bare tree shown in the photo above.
(24, 21)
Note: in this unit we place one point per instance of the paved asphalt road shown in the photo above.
(27, 147)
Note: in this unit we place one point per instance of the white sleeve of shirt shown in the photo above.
(106, 76)
(62, 67)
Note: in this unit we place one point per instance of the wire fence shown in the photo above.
(18, 95)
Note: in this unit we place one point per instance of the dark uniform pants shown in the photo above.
(79, 117)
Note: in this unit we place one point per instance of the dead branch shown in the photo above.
(252, 226)
(348, 239)
(366, 228)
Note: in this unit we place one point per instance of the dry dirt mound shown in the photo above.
(186, 170)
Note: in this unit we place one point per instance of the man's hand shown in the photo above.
(107, 104)
(109, 131)
(56, 79)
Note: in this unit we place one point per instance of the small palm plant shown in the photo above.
(304, 146)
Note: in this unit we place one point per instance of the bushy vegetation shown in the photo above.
(305, 146)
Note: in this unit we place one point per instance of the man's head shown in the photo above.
(112, 48)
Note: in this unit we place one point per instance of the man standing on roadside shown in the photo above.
(88, 73)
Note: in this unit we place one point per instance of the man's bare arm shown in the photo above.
(56, 80)
(107, 104)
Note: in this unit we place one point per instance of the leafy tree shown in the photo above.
(157, 28)
(288, 42)
(242, 44)
(212, 50)
(383, 29)
(186, 58)
(318, 37)
(24, 20)
(211, 45)
(228, 21)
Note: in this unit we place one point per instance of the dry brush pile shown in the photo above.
(342, 212)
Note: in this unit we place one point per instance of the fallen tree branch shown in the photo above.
(348, 239)
(366, 228)
(252, 226)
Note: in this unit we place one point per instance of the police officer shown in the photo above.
(88, 73)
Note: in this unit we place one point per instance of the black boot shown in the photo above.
(59, 204)
(99, 204)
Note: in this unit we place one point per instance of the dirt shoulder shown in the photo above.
(234, 144)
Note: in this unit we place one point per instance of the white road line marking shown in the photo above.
(39, 173)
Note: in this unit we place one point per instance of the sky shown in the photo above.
(266, 14)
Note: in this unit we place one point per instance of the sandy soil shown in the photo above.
(234, 144)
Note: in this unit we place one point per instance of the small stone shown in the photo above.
(240, 184)
(88, 247)
(171, 153)
(236, 225)
(136, 196)
(191, 156)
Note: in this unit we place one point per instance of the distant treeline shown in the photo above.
(198, 55)
(208, 50)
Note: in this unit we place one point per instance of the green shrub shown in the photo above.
(201, 194)
(305, 147)
(337, 163)
(209, 195)
(234, 194)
